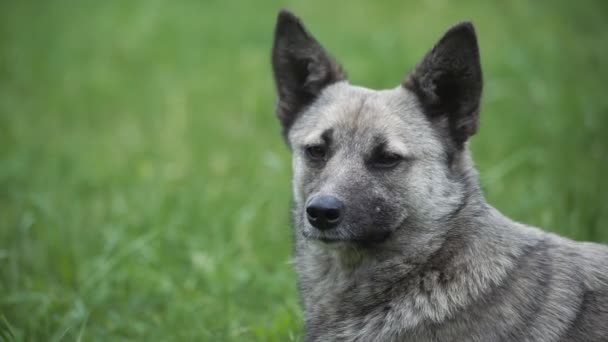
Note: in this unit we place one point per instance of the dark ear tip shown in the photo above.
(285, 16)
(288, 23)
(466, 24)
(463, 28)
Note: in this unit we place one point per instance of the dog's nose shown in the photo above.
(324, 212)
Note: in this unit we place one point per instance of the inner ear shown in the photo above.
(448, 82)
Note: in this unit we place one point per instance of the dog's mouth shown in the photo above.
(330, 240)
(354, 236)
(364, 240)
(366, 232)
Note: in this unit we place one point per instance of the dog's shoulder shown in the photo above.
(588, 260)
(581, 268)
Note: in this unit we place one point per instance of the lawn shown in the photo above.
(144, 185)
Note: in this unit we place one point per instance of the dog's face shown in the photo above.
(371, 164)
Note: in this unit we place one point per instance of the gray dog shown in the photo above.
(394, 239)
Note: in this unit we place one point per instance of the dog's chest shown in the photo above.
(390, 303)
(376, 305)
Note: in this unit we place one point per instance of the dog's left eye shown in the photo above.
(316, 152)
(385, 160)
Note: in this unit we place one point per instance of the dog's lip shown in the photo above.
(354, 240)
(323, 238)
(330, 240)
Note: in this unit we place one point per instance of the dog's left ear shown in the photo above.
(448, 82)
(302, 68)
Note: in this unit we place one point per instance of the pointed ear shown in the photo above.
(448, 83)
(302, 68)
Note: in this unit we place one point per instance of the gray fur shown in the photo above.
(420, 255)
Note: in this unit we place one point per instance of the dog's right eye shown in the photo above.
(316, 152)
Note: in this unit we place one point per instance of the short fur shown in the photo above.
(419, 255)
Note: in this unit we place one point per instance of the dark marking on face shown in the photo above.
(326, 136)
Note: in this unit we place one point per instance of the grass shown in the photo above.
(144, 186)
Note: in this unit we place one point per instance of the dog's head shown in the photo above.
(369, 163)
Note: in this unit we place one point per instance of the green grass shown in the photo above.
(144, 185)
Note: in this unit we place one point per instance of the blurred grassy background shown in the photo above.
(144, 185)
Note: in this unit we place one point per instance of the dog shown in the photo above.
(394, 240)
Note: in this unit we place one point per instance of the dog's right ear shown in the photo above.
(302, 68)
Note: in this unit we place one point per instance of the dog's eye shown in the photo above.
(316, 152)
(385, 160)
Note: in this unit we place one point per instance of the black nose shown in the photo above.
(324, 212)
